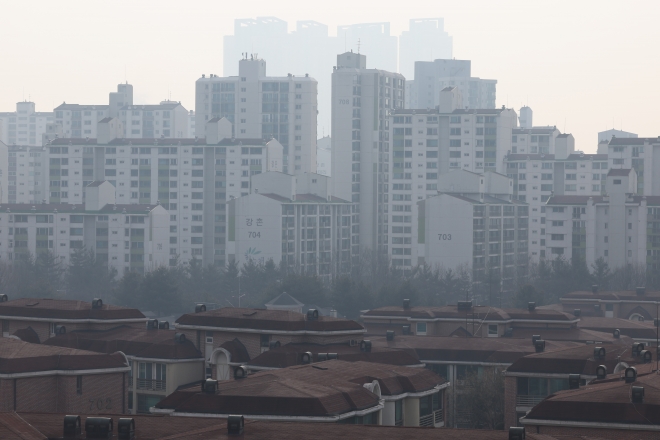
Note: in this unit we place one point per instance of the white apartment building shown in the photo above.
(621, 227)
(127, 237)
(191, 178)
(4, 173)
(262, 107)
(540, 140)
(295, 221)
(169, 119)
(362, 100)
(476, 224)
(607, 135)
(26, 174)
(641, 154)
(425, 40)
(191, 123)
(324, 156)
(79, 121)
(431, 77)
(25, 126)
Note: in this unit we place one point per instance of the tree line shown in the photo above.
(373, 282)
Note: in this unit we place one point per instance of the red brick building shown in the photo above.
(47, 316)
(37, 378)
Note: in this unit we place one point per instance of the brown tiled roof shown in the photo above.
(157, 427)
(290, 354)
(156, 344)
(14, 427)
(28, 335)
(573, 360)
(632, 329)
(466, 350)
(65, 309)
(608, 295)
(479, 312)
(22, 357)
(237, 350)
(605, 402)
(574, 334)
(262, 319)
(321, 389)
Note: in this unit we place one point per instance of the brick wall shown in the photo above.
(605, 433)
(510, 385)
(43, 328)
(101, 393)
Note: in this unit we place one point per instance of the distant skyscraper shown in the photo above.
(371, 38)
(433, 76)
(264, 107)
(425, 41)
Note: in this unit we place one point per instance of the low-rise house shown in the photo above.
(47, 316)
(532, 378)
(161, 360)
(623, 406)
(635, 305)
(36, 378)
(331, 391)
(224, 334)
(640, 331)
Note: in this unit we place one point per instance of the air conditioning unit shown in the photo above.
(630, 374)
(164, 325)
(60, 330)
(209, 386)
(637, 394)
(306, 358)
(389, 335)
(312, 315)
(599, 352)
(539, 345)
(126, 428)
(97, 303)
(601, 372)
(464, 305)
(235, 425)
(72, 427)
(199, 308)
(273, 345)
(98, 427)
(573, 381)
(332, 356)
(646, 356)
(365, 346)
(152, 324)
(4, 298)
(320, 357)
(240, 372)
(180, 338)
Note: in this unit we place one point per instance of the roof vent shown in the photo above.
(630, 374)
(306, 357)
(577, 313)
(594, 288)
(405, 330)
(637, 394)
(272, 345)
(531, 306)
(97, 303)
(601, 372)
(180, 338)
(646, 356)
(365, 346)
(126, 428)
(406, 303)
(60, 330)
(312, 315)
(209, 386)
(599, 352)
(332, 356)
(72, 427)
(235, 425)
(637, 348)
(464, 305)
(164, 325)
(320, 357)
(240, 372)
(4, 298)
(152, 324)
(199, 308)
(640, 291)
(539, 345)
(517, 433)
(389, 335)
(616, 333)
(98, 427)
(508, 333)
(535, 338)
(573, 381)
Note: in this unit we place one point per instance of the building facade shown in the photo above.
(25, 126)
(262, 107)
(25, 175)
(642, 155)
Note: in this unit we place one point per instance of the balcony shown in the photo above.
(430, 420)
(528, 401)
(151, 385)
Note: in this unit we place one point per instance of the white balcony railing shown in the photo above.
(151, 385)
(528, 401)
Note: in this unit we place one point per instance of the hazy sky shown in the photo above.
(585, 66)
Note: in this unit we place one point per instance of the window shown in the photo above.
(209, 337)
(398, 412)
(421, 328)
(492, 330)
(79, 383)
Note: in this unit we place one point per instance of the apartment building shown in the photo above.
(294, 220)
(619, 226)
(532, 378)
(169, 119)
(642, 155)
(424, 40)
(433, 76)
(192, 123)
(4, 173)
(263, 107)
(472, 221)
(34, 378)
(537, 177)
(47, 317)
(25, 174)
(607, 135)
(190, 178)
(324, 156)
(360, 392)
(361, 103)
(229, 335)
(126, 237)
(160, 359)
(25, 126)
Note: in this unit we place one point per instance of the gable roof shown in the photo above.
(284, 299)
